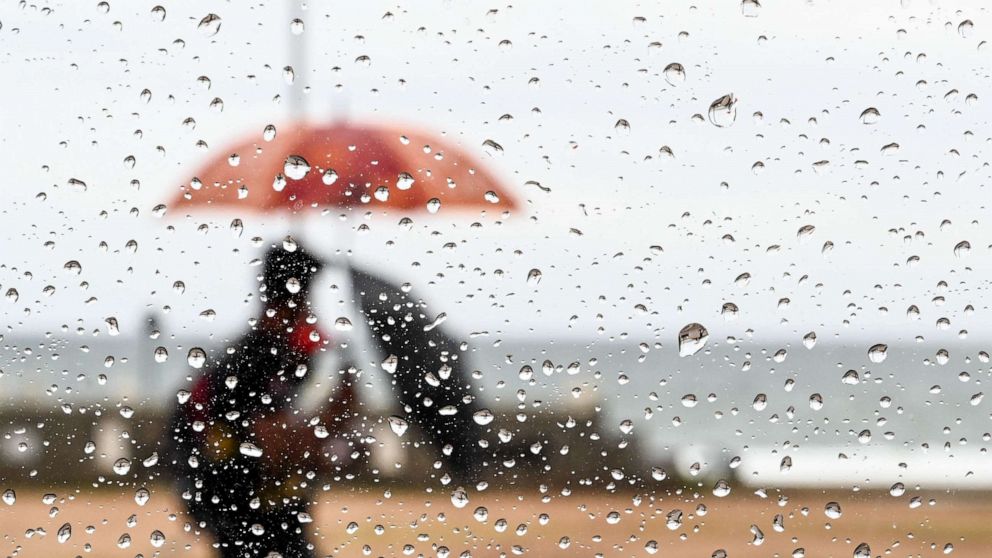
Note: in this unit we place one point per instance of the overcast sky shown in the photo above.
(72, 106)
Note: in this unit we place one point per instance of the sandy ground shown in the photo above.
(426, 521)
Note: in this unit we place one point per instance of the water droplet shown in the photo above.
(897, 489)
(398, 425)
(249, 449)
(141, 496)
(492, 148)
(674, 73)
(809, 340)
(237, 227)
(692, 338)
(962, 249)
(157, 538)
(404, 181)
(877, 353)
(209, 25)
(851, 378)
(73, 267)
(832, 510)
(296, 26)
(534, 277)
(433, 205)
(329, 177)
(750, 8)
(122, 466)
(9, 497)
(965, 27)
(124, 541)
(161, 354)
(760, 402)
(459, 498)
(723, 111)
(721, 488)
(816, 401)
(729, 311)
(293, 285)
(483, 417)
(65, 531)
(390, 364)
(296, 167)
(870, 116)
(862, 551)
(626, 426)
(196, 357)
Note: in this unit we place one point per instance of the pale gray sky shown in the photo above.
(75, 78)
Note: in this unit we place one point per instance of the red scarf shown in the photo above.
(299, 338)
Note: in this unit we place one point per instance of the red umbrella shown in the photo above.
(343, 164)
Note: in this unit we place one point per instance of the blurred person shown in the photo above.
(243, 444)
(230, 458)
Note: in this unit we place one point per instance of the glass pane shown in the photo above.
(451, 279)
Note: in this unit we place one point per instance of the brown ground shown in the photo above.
(426, 521)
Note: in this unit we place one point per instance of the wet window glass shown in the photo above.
(446, 279)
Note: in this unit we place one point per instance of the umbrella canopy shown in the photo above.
(342, 165)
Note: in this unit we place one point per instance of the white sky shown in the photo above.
(73, 77)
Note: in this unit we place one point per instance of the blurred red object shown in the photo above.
(343, 164)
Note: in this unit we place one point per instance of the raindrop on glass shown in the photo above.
(692, 338)
(723, 111)
(674, 73)
(296, 167)
(209, 25)
(398, 425)
(877, 353)
(196, 357)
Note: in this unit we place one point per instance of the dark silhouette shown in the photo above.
(400, 328)
(241, 448)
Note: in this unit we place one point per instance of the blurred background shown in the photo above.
(800, 187)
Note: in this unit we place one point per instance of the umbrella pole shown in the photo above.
(297, 60)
